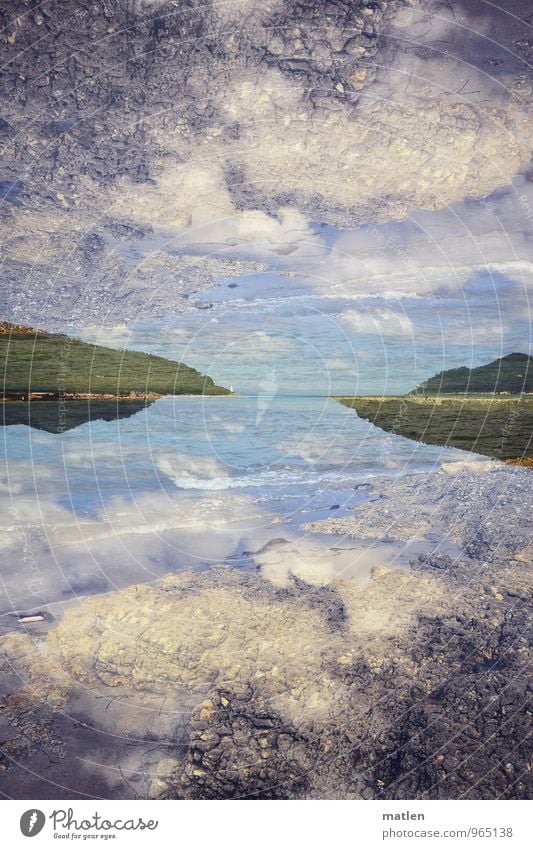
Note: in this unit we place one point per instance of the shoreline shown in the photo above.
(25, 398)
(498, 426)
(481, 397)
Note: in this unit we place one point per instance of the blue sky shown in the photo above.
(371, 310)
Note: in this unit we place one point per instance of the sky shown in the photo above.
(351, 235)
(370, 310)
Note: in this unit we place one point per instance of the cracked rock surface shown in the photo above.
(124, 117)
(411, 685)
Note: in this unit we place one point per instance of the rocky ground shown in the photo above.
(128, 123)
(224, 685)
(124, 121)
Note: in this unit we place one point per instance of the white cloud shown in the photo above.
(316, 448)
(320, 564)
(338, 364)
(378, 322)
(286, 238)
(458, 328)
(119, 336)
(189, 472)
(439, 251)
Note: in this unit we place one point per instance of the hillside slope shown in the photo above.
(512, 373)
(482, 409)
(37, 362)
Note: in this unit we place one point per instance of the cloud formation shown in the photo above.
(380, 322)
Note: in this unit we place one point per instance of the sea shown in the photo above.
(198, 482)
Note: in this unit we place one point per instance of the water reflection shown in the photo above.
(59, 416)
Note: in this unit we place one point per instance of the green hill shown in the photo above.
(497, 426)
(38, 362)
(483, 409)
(512, 373)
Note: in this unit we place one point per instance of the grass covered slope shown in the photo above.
(497, 427)
(512, 373)
(37, 362)
(485, 410)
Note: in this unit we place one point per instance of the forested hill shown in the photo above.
(512, 373)
(37, 362)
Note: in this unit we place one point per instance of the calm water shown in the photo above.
(192, 482)
(306, 450)
(187, 482)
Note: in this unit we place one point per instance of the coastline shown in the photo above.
(49, 397)
(67, 411)
(498, 426)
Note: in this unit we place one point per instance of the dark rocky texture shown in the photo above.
(477, 505)
(226, 686)
(126, 121)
